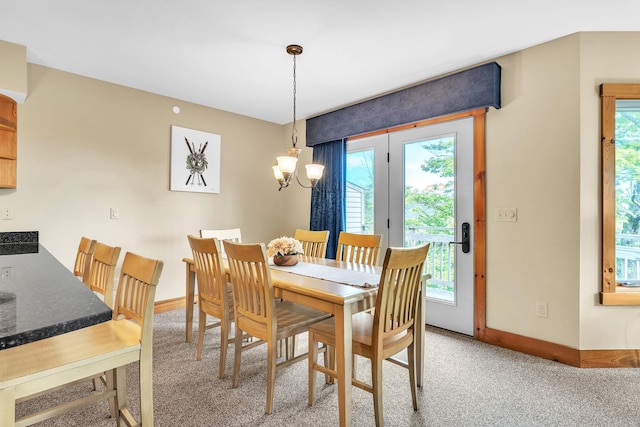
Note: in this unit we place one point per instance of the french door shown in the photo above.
(416, 186)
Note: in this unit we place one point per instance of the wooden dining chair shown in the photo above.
(314, 243)
(101, 278)
(231, 234)
(257, 314)
(214, 294)
(83, 354)
(102, 273)
(358, 248)
(382, 335)
(82, 265)
(135, 296)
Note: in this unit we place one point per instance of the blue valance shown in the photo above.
(466, 90)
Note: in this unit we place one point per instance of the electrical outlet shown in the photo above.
(6, 213)
(6, 273)
(507, 214)
(542, 309)
(115, 213)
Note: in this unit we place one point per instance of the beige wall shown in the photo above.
(543, 157)
(532, 164)
(604, 58)
(85, 146)
(13, 71)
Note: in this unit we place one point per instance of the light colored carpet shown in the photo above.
(467, 383)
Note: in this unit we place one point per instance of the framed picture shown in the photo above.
(195, 160)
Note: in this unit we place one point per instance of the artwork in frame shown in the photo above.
(195, 160)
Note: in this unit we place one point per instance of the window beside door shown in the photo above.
(620, 126)
(427, 210)
(360, 191)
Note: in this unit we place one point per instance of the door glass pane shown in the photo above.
(627, 170)
(429, 209)
(360, 192)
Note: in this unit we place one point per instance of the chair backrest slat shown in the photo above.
(207, 258)
(103, 269)
(358, 248)
(398, 292)
(314, 243)
(82, 265)
(252, 287)
(135, 295)
(232, 234)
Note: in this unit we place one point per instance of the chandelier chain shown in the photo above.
(287, 167)
(294, 130)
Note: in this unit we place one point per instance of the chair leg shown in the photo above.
(313, 360)
(411, 359)
(112, 401)
(146, 389)
(271, 374)
(237, 344)
(224, 344)
(329, 362)
(119, 382)
(8, 406)
(110, 383)
(376, 378)
(354, 365)
(202, 322)
(291, 347)
(281, 349)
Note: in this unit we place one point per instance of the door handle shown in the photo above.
(466, 243)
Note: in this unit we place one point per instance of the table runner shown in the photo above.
(333, 274)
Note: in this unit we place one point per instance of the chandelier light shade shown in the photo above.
(277, 173)
(314, 172)
(287, 165)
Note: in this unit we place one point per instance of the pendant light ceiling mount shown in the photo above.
(287, 165)
(294, 49)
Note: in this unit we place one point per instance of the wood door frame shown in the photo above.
(479, 206)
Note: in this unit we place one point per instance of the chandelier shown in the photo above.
(287, 165)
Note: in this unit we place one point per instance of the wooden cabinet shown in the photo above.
(8, 142)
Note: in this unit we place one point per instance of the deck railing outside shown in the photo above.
(441, 258)
(627, 257)
(440, 261)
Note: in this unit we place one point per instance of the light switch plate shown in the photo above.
(507, 214)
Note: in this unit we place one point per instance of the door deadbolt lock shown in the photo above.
(465, 239)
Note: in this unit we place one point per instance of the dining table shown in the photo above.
(336, 287)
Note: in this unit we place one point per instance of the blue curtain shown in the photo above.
(327, 198)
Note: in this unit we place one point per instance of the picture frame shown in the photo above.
(195, 160)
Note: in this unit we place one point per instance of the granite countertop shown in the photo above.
(18, 242)
(40, 298)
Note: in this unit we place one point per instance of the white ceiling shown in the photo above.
(230, 54)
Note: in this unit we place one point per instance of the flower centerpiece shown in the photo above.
(284, 250)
